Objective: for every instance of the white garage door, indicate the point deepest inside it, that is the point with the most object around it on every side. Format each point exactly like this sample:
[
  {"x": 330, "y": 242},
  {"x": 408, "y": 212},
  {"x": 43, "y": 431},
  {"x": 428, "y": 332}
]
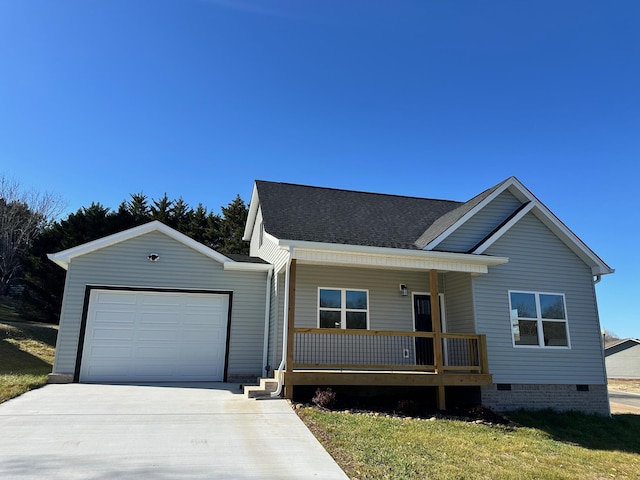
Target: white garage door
[{"x": 134, "y": 336}]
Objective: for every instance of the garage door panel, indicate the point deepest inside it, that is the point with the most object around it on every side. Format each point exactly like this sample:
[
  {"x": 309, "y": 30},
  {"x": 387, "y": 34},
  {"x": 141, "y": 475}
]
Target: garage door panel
[
  {"x": 115, "y": 317},
  {"x": 154, "y": 336},
  {"x": 115, "y": 298},
  {"x": 110, "y": 351},
  {"x": 203, "y": 320},
  {"x": 112, "y": 334},
  {"x": 203, "y": 302},
  {"x": 160, "y": 318},
  {"x": 148, "y": 335},
  {"x": 194, "y": 336},
  {"x": 160, "y": 353}
]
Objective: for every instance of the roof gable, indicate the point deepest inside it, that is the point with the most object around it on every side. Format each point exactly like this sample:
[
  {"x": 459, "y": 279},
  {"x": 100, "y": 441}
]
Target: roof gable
[
  {"x": 64, "y": 257},
  {"x": 529, "y": 204}
]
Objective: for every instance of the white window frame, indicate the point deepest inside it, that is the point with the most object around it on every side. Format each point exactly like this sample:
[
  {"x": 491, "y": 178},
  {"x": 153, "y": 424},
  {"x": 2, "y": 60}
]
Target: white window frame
[
  {"x": 343, "y": 307},
  {"x": 539, "y": 320}
]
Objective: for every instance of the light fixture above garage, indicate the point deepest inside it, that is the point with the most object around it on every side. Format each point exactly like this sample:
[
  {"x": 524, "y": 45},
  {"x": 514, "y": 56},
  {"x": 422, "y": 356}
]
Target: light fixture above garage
[{"x": 153, "y": 257}]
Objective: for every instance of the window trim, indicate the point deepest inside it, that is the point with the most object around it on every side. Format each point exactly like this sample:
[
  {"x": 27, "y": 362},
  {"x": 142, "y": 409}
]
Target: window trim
[
  {"x": 539, "y": 321},
  {"x": 343, "y": 307}
]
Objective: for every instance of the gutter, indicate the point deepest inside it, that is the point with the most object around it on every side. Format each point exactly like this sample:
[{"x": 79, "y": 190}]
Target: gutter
[
  {"x": 285, "y": 327},
  {"x": 267, "y": 310}
]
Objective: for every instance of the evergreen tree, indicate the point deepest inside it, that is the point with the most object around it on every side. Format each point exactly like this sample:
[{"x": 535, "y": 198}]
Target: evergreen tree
[
  {"x": 234, "y": 218},
  {"x": 44, "y": 281}
]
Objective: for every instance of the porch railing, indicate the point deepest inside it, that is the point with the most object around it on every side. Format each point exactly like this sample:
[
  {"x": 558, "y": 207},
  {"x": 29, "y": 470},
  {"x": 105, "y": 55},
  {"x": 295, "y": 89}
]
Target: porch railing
[{"x": 331, "y": 349}]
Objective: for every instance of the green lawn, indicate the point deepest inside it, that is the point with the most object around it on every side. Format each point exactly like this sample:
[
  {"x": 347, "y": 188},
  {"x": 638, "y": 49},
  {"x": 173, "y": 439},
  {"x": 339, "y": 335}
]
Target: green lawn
[
  {"x": 26, "y": 354},
  {"x": 544, "y": 445}
]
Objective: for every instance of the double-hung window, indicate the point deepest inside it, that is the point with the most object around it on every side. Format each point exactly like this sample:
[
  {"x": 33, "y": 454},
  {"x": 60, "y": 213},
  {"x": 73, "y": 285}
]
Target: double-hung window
[
  {"x": 343, "y": 308},
  {"x": 539, "y": 319}
]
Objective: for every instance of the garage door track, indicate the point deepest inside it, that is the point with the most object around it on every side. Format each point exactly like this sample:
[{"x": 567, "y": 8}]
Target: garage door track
[{"x": 83, "y": 431}]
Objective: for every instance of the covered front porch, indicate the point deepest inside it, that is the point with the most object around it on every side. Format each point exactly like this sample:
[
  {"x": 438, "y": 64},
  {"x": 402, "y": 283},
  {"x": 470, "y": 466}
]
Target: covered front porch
[{"x": 384, "y": 356}]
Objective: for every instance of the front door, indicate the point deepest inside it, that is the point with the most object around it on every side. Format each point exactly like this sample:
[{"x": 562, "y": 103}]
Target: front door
[{"x": 423, "y": 323}]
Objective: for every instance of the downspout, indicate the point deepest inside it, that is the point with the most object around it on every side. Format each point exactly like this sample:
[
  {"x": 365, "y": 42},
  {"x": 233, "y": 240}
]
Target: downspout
[
  {"x": 597, "y": 279},
  {"x": 285, "y": 327},
  {"x": 267, "y": 311}
]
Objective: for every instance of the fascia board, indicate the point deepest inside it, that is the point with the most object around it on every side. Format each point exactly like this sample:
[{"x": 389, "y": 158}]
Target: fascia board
[
  {"x": 598, "y": 266},
  {"x": 510, "y": 182},
  {"x": 254, "y": 203},
  {"x": 485, "y": 260},
  {"x": 64, "y": 258}
]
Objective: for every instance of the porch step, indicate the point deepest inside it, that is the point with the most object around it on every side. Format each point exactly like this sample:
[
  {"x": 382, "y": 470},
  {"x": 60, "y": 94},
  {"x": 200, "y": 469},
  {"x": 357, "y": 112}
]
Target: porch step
[{"x": 263, "y": 390}]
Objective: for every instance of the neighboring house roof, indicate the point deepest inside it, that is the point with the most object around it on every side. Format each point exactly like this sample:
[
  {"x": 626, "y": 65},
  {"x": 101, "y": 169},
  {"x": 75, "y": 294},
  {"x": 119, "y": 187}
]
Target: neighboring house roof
[
  {"x": 347, "y": 217},
  {"x": 239, "y": 263},
  {"x": 620, "y": 346}
]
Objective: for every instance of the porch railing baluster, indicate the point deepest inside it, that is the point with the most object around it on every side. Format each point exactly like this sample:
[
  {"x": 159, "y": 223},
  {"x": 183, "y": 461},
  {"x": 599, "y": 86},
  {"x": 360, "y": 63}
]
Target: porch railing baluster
[{"x": 329, "y": 349}]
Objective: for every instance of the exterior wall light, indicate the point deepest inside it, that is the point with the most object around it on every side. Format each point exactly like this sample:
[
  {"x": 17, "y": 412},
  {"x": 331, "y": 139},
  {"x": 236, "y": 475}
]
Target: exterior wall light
[
  {"x": 404, "y": 291},
  {"x": 153, "y": 257}
]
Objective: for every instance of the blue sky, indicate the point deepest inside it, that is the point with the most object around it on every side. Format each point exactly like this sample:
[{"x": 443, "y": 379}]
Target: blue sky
[{"x": 432, "y": 98}]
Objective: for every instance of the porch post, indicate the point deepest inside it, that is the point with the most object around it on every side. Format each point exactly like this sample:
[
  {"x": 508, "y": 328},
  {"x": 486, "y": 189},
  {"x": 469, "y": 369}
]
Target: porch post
[
  {"x": 437, "y": 331},
  {"x": 288, "y": 388}
]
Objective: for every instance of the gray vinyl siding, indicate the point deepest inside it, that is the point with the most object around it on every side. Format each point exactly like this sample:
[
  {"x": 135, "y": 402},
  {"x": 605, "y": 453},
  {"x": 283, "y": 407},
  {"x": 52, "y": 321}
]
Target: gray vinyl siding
[
  {"x": 481, "y": 224},
  {"x": 388, "y": 310},
  {"x": 539, "y": 262},
  {"x": 179, "y": 267},
  {"x": 625, "y": 363},
  {"x": 268, "y": 250},
  {"x": 459, "y": 303}
]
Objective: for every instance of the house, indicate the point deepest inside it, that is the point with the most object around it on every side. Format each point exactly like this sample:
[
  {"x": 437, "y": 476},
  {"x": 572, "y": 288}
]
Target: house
[
  {"x": 338, "y": 290},
  {"x": 623, "y": 359},
  {"x": 355, "y": 274}
]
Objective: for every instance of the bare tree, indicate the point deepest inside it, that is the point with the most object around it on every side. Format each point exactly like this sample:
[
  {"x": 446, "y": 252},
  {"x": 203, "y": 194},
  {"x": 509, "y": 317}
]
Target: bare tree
[{"x": 23, "y": 214}]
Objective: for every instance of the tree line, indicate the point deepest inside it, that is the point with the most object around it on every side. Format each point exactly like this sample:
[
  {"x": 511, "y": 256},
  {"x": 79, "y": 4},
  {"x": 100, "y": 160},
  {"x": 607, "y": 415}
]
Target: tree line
[{"x": 28, "y": 233}]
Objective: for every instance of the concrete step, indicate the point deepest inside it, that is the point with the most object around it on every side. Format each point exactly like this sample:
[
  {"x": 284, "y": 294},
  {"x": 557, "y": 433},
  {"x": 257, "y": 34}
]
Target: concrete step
[{"x": 263, "y": 389}]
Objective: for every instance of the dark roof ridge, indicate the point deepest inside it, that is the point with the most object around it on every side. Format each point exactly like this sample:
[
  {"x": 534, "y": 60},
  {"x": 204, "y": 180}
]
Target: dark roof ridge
[{"x": 361, "y": 191}]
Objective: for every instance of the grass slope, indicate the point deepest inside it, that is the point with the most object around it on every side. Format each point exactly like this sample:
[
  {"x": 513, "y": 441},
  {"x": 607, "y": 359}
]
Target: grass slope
[
  {"x": 545, "y": 445},
  {"x": 26, "y": 355}
]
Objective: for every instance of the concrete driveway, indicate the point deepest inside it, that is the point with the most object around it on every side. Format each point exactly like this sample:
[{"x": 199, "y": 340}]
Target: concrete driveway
[{"x": 81, "y": 431}]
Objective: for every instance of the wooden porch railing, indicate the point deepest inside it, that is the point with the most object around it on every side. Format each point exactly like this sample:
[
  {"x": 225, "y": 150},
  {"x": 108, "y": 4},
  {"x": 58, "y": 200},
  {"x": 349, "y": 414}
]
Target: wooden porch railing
[{"x": 387, "y": 350}]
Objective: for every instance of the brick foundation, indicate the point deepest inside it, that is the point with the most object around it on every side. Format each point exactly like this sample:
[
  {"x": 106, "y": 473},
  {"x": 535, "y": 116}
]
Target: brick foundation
[{"x": 582, "y": 398}]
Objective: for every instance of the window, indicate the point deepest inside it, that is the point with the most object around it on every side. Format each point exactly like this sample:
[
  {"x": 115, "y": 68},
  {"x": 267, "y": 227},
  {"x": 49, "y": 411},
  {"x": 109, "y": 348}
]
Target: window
[
  {"x": 538, "y": 319},
  {"x": 342, "y": 308}
]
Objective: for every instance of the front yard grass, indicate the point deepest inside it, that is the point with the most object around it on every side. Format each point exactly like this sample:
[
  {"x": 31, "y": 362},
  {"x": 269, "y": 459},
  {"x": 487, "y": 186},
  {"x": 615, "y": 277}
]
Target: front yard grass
[
  {"x": 543, "y": 445},
  {"x": 26, "y": 357}
]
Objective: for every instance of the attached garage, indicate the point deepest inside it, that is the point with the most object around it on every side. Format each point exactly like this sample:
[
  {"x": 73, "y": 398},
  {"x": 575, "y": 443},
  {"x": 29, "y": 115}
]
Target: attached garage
[
  {"x": 152, "y": 305},
  {"x": 151, "y": 336}
]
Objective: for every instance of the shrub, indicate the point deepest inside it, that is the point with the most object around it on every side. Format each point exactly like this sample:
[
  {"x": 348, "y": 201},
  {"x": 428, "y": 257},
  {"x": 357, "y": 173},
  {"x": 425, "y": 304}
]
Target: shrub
[{"x": 324, "y": 398}]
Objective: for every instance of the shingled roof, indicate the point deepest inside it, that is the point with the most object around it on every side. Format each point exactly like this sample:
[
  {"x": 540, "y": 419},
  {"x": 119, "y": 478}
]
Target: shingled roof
[{"x": 318, "y": 214}]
